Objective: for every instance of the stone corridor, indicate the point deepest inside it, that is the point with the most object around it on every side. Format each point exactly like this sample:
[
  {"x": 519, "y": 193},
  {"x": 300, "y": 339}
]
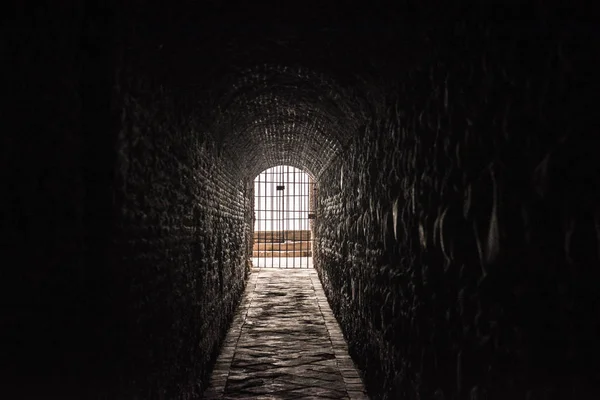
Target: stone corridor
[
  {"x": 454, "y": 209},
  {"x": 284, "y": 343}
]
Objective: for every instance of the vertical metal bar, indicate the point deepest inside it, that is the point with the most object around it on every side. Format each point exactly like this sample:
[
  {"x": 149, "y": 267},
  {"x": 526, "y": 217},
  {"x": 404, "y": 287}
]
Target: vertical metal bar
[
  {"x": 275, "y": 223},
  {"x": 277, "y": 195},
  {"x": 314, "y": 211},
  {"x": 302, "y": 207},
  {"x": 307, "y": 221},
  {"x": 268, "y": 204},
  {"x": 305, "y": 213},
  {"x": 300, "y": 214},
  {"x": 280, "y": 221},
  {"x": 264, "y": 220},
  {"x": 277, "y": 213},
  {"x": 273, "y": 213},
  {"x": 270, "y": 214},
  {"x": 285, "y": 216},
  {"x": 258, "y": 220},
  {"x": 295, "y": 222},
  {"x": 276, "y": 216},
  {"x": 261, "y": 184},
  {"x": 302, "y": 261},
  {"x": 269, "y": 180},
  {"x": 264, "y": 261},
  {"x": 256, "y": 207},
  {"x": 266, "y": 215},
  {"x": 262, "y": 216},
  {"x": 255, "y": 210}
]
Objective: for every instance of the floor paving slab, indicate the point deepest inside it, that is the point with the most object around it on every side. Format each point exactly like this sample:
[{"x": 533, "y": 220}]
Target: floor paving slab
[{"x": 284, "y": 343}]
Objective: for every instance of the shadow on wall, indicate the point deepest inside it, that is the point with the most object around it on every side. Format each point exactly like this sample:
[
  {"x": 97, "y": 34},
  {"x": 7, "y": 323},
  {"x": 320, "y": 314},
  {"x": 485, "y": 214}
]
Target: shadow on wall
[{"x": 457, "y": 239}]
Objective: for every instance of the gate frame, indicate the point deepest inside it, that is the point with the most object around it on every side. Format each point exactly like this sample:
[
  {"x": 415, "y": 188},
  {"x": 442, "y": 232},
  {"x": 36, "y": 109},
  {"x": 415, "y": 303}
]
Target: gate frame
[{"x": 282, "y": 175}]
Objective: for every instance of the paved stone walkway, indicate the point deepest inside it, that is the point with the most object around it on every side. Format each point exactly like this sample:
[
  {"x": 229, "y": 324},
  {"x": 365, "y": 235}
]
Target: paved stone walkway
[{"x": 284, "y": 343}]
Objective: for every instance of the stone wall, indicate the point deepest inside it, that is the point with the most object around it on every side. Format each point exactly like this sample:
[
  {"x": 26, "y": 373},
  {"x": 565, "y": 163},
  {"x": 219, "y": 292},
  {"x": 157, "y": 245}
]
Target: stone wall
[
  {"x": 456, "y": 235},
  {"x": 180, "y": 252},
  {"x": 457, "y": 240}
]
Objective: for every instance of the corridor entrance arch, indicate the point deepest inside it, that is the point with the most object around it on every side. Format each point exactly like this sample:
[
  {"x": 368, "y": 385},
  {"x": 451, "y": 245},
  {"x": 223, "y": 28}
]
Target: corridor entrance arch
[{"x": 284, "y": 200}]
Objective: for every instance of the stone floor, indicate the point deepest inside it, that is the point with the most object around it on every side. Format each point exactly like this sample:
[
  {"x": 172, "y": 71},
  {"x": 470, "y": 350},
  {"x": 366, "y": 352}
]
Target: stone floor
[{"x": 284, "y": 343}]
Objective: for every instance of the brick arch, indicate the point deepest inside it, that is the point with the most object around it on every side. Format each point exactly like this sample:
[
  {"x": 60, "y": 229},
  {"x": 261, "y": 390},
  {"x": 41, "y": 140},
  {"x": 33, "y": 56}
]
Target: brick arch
[{"x": 276, "y": 114}]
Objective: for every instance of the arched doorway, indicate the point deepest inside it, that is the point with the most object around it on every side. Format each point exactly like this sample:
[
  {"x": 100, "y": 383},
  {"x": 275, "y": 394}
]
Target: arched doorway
[{"x": 284, "y": 200}]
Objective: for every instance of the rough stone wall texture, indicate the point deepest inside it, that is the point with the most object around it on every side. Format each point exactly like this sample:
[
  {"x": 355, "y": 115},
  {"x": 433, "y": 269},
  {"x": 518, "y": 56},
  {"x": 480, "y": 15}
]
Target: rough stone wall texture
[
  {"x": 457, "y": 239},
  {"x": 460, "y": 251},
  {"x": 180, "y": 249}
]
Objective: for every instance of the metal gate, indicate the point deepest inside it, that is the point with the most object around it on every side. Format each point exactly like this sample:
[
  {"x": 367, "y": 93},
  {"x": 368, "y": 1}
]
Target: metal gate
[{"x": 284, "y": 199}]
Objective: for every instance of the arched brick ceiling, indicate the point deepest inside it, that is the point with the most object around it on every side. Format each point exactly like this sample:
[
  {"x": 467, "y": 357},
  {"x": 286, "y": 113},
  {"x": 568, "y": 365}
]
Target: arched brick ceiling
[
  {"x": 286, "y": 90},
  {"x": 276, "y": 115}
]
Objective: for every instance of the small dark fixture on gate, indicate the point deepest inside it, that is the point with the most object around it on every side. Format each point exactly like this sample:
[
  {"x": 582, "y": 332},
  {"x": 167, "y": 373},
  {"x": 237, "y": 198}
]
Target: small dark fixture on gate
[{"x": 280, "y": 187}]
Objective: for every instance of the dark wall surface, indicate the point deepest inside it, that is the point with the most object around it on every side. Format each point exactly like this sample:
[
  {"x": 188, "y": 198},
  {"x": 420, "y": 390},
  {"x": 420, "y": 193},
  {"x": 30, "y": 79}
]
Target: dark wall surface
[
  {"x": 458, "y": 239},
  {"x": 180, "y": 250},
  {"x": 458, "y": 224},
  {"x": 55, "y": 150},
  {"x": 126, "y": 225}
]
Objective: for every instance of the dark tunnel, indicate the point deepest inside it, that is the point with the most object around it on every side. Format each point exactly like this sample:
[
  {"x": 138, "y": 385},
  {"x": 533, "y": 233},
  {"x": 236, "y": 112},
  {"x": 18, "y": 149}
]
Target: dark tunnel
[{"x": 457, "y": 224}]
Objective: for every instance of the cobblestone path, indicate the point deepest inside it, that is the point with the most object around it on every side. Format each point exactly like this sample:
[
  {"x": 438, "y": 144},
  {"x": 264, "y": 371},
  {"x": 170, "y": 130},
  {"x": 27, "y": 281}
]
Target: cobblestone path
[{"x": 284, "y": 343}]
